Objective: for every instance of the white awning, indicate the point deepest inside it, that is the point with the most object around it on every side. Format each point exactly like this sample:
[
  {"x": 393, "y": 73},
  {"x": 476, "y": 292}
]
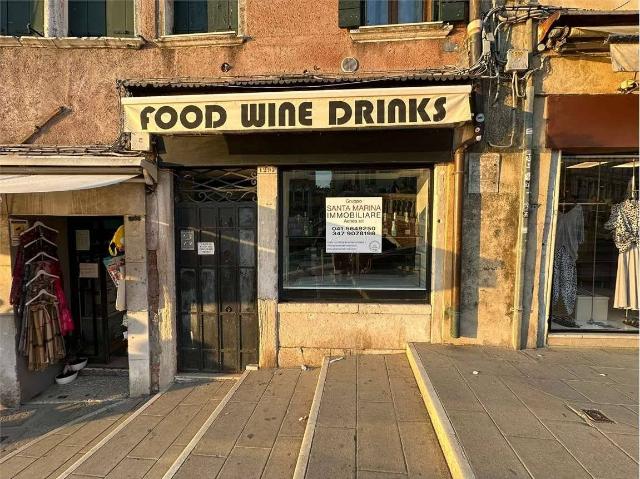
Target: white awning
[{"x": 48, "y": 183}]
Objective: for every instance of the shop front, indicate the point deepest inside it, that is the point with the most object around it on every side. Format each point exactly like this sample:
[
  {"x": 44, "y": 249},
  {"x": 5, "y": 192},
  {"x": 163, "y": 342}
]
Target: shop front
[
  {"x": 63, "y": 283},
  {"x": 593, "y": 281},
  {"x": 307, "y": 222}
]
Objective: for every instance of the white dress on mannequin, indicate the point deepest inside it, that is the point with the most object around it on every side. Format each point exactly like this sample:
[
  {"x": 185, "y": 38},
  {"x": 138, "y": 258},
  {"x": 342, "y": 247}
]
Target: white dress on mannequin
[{"x": 623, "y": 224}]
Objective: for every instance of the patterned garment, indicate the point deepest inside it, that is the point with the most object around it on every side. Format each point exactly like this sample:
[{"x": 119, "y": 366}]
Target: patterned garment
[
  {"x": 623, "y": 224},
  {"x": 44, "y": 343},
  {"x": 565, "y": 280}
]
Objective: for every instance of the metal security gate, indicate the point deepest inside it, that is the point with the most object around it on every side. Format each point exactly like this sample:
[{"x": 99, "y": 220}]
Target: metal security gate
[{"x": 217, "y": 317}]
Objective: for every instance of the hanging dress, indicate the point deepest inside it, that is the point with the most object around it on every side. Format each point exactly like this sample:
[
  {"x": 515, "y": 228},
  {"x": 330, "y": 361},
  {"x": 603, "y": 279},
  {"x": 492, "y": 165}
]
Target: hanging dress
[
  {"x": 569, "y": 237},
  {"x": 623, "y": 224}
]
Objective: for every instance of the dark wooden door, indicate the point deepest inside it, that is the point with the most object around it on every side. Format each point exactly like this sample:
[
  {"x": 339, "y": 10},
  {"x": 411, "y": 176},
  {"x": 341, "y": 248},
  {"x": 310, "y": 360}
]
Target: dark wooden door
[
  {"x": 93, "y": 298},
  {"x": 216, "y": 284}
]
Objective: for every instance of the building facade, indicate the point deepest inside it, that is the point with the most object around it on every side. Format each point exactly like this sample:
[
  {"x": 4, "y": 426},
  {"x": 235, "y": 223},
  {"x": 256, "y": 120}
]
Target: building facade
[{"x": 295, "y": 179}]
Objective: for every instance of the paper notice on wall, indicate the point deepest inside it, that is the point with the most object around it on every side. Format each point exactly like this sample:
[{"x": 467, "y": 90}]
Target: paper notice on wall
[
  {"x": 354, "y": 225},
  {"x": 88, "y": 270},
  {"x": 83, "y": 240},
  {"x": 206, "y": 248}
]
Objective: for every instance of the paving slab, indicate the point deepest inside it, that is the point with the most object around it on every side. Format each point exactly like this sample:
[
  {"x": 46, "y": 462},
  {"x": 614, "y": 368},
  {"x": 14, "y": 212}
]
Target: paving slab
[
  {"x": 372, "y": 423},
  {"x": 258, "y": 431},
  {"x": 531, "y": 424}
]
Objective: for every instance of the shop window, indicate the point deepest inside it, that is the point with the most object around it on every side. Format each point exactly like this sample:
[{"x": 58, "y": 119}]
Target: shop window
[
  {"x": 101, "y": 18},
  {"x": 21, "y": 17},
  {"x": 356, "y": 13},
  {"x": 355, "y": 234},
  {"x": 595, "y": 264},
  {"x": 203, "y": 16}
]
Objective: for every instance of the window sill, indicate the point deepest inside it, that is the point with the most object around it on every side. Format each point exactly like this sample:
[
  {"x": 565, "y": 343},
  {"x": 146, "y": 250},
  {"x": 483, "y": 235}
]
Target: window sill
[
  {"x": 73, "y": 42},
  {"x": 220, "y": 39},
  {"x": 401, "y": 32}
]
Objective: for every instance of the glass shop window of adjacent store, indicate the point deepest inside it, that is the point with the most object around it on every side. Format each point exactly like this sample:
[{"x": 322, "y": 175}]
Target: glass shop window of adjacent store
[
  {"x": 355, "y": 234},
  {"x": 595, "y": 264}
]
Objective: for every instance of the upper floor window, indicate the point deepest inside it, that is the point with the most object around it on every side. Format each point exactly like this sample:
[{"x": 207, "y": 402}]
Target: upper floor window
[
  {"x": 357, "y": 13},
  {"x": 101, "y": 18},
  {"x": 203, "y": 16},
  {"x": 21, "y": 17},
  {"x": 386, "y": 12}
]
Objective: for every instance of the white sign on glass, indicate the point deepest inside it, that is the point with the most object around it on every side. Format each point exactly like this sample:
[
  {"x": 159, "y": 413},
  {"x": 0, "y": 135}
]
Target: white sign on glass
[{"x": 354, "y": 225}]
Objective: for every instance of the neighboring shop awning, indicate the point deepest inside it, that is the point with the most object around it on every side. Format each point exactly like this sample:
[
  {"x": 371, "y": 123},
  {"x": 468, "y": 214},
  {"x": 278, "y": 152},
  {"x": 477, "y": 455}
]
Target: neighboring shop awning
[
  {"x": 592, "y": 123},
  {"x": 299, "y": 110},
  {"x": 29, "y": 169},
  {"x": 48, "y": 183}
]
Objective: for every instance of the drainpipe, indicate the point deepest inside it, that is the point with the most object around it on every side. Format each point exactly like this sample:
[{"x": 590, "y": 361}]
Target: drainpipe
[
  {"x": 474, "y": 31},
  {"x": 458, "y": 164},
  {"x": 525, "y": 189}
]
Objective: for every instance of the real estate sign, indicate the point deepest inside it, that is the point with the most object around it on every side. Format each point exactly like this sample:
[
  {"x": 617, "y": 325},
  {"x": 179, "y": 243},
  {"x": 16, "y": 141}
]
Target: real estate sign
[{"x": 354, "y": 225}]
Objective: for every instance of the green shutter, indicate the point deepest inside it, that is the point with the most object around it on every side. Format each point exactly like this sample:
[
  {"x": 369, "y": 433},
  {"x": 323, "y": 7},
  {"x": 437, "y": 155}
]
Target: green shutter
[
  {"x": 15, "y": 15},
  {"x": 349, "y": 13},
  {"x": 180, "y": 17},
  {"x": 119, "y": 18},
  {"x": 77, "y": 18},
  {"x": 198, "y": 18},
  {"x": 96, "y": 18},
  {"x": 218, "y": 12}
]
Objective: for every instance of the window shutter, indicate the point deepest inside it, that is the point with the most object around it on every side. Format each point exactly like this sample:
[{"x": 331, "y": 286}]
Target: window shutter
[
  {"x": 16, "y": 14},
  {"x": 219, "y": 18},
  {"x": 77, "y": 18},
  {"x": 119, "y": 18},
  {"x": 180, "y": 17},
  {"x": 198, "y": 17},
  {"x": 349, "y": 13}
]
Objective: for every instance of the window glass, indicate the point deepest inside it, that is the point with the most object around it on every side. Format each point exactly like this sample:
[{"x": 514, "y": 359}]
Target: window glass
[
  {"x": 594, "y": 283},
  {"x": 16, "y": 16},
  {"x": 101, "y": 18},
  {"x": 395, "y": 208},
  {"x": 384, "y": 12},
  {"x": 202, "y": 16}
]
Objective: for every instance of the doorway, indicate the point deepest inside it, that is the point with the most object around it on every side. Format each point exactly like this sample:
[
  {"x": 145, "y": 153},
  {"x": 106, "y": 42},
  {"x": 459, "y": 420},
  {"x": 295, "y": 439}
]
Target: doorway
[
  {"x": 216, "y": 284},
  {"x": 101, "y": 334}
]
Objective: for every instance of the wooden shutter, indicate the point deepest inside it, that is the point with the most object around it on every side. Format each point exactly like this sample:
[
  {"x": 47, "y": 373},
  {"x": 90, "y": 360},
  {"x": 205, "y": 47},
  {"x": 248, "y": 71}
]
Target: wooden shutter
[
  {"x": 198, "y": 18},
  {"x": 349, "y": 13},
  {"x": 16, "y": 14},
  {"x": 87, "y": 18},
  {"x": 180, "y": 17},
  {"x": 120, "y": 18},
  {"x": 219, "y": 15}
]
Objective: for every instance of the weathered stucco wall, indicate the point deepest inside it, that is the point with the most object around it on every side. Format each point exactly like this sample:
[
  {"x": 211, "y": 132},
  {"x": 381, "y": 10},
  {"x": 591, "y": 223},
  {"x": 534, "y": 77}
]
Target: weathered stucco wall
[
  {"x": 284, "y": 37},
  {"x": 308, "y": 332}
]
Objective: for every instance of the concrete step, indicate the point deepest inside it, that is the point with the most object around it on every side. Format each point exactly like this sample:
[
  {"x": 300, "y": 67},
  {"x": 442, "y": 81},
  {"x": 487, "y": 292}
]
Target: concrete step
[{"x": 368, "y": 420}]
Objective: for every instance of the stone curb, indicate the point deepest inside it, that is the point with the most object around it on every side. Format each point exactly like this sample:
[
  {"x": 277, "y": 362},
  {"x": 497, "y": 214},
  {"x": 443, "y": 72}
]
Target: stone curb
[
  {"x": 451, "y": 447},
  {"x": 177, "y": 464},
  {"x": 309, "y": 431}
]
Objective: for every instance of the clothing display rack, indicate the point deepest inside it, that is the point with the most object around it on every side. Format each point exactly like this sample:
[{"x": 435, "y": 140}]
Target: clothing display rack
[{"x": 38, "y": 297}]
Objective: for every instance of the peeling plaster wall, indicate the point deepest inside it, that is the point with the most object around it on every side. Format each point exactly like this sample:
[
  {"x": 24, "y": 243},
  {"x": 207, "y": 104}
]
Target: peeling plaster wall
[{"x": 285, "y": 37}]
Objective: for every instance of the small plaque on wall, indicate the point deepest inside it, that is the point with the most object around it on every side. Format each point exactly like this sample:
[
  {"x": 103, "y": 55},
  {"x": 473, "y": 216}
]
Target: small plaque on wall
[
  {"x": 88, "y": 270},
  {"x": 187, "y": 240},
  {"x": 83, "y": 240},
  {"x": 206, "y": 248}
]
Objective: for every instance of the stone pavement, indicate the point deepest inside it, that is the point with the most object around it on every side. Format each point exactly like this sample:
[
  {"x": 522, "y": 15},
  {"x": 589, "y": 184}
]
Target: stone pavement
[
  {"x": 518, "y": 414},
  {"x": 372, "y": 423},
  {"x": 145, "y": 447},
  {"x": 259, "y": 431},
  {"x": 57, "y": 406}
]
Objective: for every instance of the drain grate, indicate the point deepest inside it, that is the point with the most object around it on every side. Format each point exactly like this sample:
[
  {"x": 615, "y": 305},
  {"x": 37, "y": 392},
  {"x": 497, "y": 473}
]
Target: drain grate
[{"x": 596, "y": 416}]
